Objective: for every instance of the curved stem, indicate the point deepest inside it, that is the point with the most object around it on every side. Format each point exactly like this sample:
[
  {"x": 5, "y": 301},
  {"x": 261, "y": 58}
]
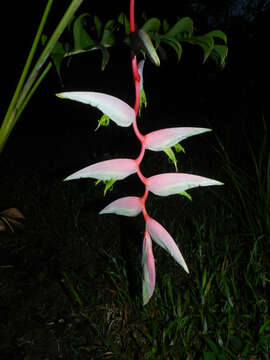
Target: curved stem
[{"x": 141, "y": 138}]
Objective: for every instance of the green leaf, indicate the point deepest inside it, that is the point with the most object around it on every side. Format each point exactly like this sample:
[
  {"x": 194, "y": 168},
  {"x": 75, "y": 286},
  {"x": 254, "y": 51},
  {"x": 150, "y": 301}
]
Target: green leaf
[
  {"x": 98, "y": 25},
  {"x": 108, "y": 184},
  {"x": 218, "y": 34},
  {"x": 169, "y": 152},
  {"x": 184, "y": 193},
  {"x": 183, "y": 27},
  {"x": 205, "y": 42},
  {"x": 103, "y": 121},
  {"x": 107, "y": 36},
  {"x": 175, "y": 44},
  {"x": 152, "y": 25},
  {"x": 105, "y": 56},
  {"x": 81, "y": 38},
  {"x": 220, "y": 53},
  {"x": 123, "y": 20},
  {"x": 179, "y": 148},
  {"x": 165, "y": 25},
  {"x": 143, "y": 100},
  {"x": 57, "y": 54}
]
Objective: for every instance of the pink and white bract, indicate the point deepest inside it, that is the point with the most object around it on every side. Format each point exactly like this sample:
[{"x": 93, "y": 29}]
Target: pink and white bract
[
  {"x": 116, "y": 169},
  {"x": 175, "y": 183},
  {"x": 149, "y": 272},
  {"x": 117, "y": 110},
  {"x": 165, "y": 138},
  {"x": 161, "y": 236},
  {"x": 127, "y": 206}
]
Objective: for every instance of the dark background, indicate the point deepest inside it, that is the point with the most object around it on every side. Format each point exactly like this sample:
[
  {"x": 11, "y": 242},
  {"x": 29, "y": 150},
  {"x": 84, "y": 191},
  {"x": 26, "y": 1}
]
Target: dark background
[{"x": 55, "y": 136}]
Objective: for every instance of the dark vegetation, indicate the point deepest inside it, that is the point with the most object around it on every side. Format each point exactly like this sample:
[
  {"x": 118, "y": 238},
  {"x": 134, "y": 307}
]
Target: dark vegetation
[{"x": 70, "y": 280}]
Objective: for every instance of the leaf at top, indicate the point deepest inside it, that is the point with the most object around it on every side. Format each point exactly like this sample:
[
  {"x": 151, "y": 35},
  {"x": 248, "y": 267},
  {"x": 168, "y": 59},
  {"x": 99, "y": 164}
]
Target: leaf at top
[
  {"x": 105, "y": 56},
  {"x": 175, "y": 44},
  {"x": 183, "y": 27},
  {"x": 57, "y": 54},
  {"x": 206, "y": 43},
  {"x": 152, "y": 25},
  {"x": 218, "y": 34},
  {"x": 219, "y": 54},
  {"x": 98, "y": 26},
  {"x": 107, "y": 38},
  {"x": 81, "y": 38},
  {"x": 165, "y": 26},
  {"x": 123, "y": 20}
]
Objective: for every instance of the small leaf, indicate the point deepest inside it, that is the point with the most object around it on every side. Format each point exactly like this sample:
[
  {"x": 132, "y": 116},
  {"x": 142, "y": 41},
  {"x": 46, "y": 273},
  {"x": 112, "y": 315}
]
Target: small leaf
[
  {"x": 122, "y": 19},
  {"x": 187, "y": 195},
  {"x": 127, "y": 206},
  {"x": 183, "y": 26},
  {"x": 105, "y": 56},
  {"x": 81, "y": 38},
  {"x": 103, "y": 121},
  {"x": 108, "y": 37},
  {"x": 165, "y": 25},
  {"x": 57, "y": 54},
  {"x": 164, "y": 239},
  {"x": 220, "y": 53},
  {"x": 205, "y": 42},
  {"x": 169, "y": 152},
  {"x": 175, "y": 44},
  {"x": 179, "y": 148},
  {"x": 166, "y": 138},
  {"x": 98, "y": 25},
  {"x": 116, "y": 169},
  {"x": 218, "y": 34},
  {"x": 108, "y": 185},
  {"x": 117, "y": 110},
  {"x": 148, "y": 264},
  {"x": 170, "y": 183},
  {"x": 152, "y": 25}
]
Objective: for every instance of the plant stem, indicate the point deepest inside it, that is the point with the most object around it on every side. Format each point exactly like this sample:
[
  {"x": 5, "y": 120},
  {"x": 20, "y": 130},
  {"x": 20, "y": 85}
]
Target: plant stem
[
  {"x": 141, "y": 138},
  {"x": 25, "y": 89}
]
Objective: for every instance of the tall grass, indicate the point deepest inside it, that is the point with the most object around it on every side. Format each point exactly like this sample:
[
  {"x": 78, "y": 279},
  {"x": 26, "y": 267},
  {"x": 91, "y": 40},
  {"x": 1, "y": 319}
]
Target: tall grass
[{"x": 219, "y": 311}]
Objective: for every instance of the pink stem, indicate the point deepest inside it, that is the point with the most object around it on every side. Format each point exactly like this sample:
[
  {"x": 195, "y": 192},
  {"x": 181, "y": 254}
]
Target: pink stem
[
  {"x": 141, "y": 138},
  {"x": 131, "y": 17}
]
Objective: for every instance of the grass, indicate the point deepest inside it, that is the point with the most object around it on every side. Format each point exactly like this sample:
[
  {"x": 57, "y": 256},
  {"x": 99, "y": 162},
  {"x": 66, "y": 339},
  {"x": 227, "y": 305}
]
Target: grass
[{"x": 66, "y": 284}]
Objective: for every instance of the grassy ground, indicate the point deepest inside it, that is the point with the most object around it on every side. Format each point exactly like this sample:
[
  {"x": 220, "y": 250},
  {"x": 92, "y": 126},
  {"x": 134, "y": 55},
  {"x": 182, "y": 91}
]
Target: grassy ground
[{"x": 70, "y": 281}]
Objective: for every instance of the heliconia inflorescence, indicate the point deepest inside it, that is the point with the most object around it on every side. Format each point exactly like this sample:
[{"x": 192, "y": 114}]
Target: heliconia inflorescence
[{"x": 117, "y": 169}]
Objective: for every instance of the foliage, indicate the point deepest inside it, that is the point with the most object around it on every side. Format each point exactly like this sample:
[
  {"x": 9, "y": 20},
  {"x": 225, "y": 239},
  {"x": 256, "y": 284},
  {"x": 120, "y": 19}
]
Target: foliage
[{"x": 88, "y": 33}]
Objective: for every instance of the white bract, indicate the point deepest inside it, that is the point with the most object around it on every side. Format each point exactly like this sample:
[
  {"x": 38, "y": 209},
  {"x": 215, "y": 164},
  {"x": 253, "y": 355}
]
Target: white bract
[
  {"x": 166, "y": 138},
  {"x": 127, "y": 206},
  {"x": 117, "y": 110},
  {"x": 164, "y": 239},
  {"x": 175, "y": 183},
  {"x": 116, "y": 169}
]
